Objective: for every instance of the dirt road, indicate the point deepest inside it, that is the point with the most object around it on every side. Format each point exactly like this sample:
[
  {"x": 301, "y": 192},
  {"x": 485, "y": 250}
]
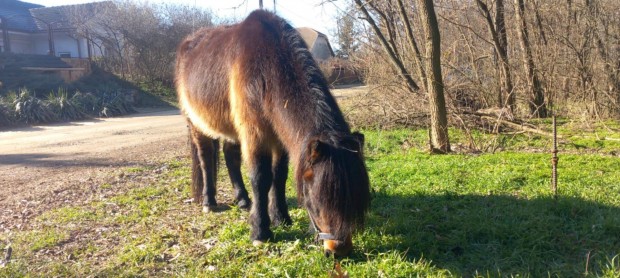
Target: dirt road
[
  {"x": 43, "y": 167},
  {"x": 40, "y": 165}
]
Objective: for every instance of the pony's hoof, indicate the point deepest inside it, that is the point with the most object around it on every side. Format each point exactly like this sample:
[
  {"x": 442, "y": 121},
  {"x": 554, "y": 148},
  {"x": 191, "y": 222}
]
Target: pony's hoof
[
  {"x": 244, "y": 204},
  {"x": 284, "y": 221},
  {"x": 258, "y": 243},
  {"x": 208, "y": 209}
]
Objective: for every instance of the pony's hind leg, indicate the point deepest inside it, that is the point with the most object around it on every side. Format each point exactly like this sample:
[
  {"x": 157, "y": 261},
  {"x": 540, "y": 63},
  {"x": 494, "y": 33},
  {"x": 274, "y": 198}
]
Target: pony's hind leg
[
  {"x": 232, "y": 155},
  {"x": 204, "y": 152},
  {"x": 278, "y": 209}
]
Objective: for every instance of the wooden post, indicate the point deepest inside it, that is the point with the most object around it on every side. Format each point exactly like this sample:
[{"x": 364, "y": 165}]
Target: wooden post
[
  {"x": 554, "y": 161},
  {"x": 50, "y": 38},
  {"x": 6, "y": 47}
]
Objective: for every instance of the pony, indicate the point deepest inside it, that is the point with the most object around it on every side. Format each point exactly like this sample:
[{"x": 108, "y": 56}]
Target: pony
[{"x": 255, "y": 86}]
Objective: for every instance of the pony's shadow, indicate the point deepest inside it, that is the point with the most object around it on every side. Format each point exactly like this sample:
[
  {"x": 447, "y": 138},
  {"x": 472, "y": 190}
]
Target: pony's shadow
[
  {"x": 476, "y": 234},
  {"x": 469, "y": 234},
  {"x": 221, "y": 207}
]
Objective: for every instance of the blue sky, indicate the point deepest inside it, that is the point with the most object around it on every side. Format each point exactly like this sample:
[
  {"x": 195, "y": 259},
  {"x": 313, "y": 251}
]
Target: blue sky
[{"x": 301, "y": 13}]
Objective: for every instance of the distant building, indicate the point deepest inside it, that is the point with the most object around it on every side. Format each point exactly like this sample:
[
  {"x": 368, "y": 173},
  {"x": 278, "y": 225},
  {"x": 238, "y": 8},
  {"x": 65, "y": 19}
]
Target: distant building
[
  {"x": 318, "y": 44},
  {"x": 337, "y": 71},
  {"x": 34, "y": 29}
]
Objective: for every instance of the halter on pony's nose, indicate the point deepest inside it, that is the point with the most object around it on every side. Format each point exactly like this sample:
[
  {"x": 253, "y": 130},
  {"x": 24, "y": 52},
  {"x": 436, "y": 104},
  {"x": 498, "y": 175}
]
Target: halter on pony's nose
[
  {"x": 331, "y": 244},
  {"x": 320, "y": 235}
]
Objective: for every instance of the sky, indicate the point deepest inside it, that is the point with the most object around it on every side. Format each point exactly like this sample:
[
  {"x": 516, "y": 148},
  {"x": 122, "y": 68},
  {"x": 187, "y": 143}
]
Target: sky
[{"x": 300, "y": 13}]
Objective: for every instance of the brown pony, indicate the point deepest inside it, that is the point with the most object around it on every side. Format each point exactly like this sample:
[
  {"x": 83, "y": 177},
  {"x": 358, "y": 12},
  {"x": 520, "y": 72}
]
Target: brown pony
[{"x": 255, "y": 85}]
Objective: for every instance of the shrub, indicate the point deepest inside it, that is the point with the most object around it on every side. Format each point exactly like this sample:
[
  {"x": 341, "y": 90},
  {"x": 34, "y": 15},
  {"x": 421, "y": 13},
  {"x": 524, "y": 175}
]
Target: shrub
[
  {"x": 63, "y": 107},
  {"x": 86, "y": 103},
  {"x": 114, "y": 104},
  {"x": 24, "y": 108},
  {"x": 32, "y": 110},
  {"x": 6, "y": 115}
]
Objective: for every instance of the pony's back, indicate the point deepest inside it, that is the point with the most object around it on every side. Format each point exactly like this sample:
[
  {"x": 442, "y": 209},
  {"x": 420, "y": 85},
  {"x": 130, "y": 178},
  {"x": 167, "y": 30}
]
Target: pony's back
[{"x": 259, "y": 66}]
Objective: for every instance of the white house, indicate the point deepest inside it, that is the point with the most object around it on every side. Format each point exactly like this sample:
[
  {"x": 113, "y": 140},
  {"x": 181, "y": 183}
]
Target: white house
[{"x": 34, "y": 29}]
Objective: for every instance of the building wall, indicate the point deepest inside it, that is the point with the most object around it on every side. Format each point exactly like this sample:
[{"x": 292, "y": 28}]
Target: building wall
[
  {"x": 38, "y": 43},
  {"x": 63, "y": 43},
  {"x": 21, "y": 43},
  {"x": 320, "y": 50}
]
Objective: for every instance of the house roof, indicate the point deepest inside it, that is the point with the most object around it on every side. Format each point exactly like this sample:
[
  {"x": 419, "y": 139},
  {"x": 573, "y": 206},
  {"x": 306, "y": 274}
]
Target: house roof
[
  {"x": 310, "y": 36},
  {"x": 16, "y": 15},
  {"x": 27, "y": 17},
  {"x": 65, "y": 17}
]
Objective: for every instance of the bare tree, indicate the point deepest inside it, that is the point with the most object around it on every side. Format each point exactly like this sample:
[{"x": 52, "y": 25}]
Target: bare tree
[
  {"x": 534, "y": 87},
  {"x": 395, "y": 34},
  {"x": 611, "y": 68},
  {"x": 139, "y": 40},
  {"x": 434, "y": 80},
  {"x": 388, "y": 45},
  {"x": 497, "y": 29}
]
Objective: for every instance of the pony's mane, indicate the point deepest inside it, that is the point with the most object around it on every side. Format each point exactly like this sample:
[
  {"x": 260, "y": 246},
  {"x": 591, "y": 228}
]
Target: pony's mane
[
  {"x": 314, "y": 114},
  {"x": 256, "y": 82},
  {"x": 301, "y": 75}
]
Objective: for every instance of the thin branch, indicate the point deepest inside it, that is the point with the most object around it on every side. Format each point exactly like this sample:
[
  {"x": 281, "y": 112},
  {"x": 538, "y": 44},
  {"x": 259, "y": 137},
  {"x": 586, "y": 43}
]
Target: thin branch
[{"x": 397, "y": 63}]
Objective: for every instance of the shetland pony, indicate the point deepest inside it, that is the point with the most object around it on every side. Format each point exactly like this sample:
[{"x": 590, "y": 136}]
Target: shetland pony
[{"x": 256, "y": 86}]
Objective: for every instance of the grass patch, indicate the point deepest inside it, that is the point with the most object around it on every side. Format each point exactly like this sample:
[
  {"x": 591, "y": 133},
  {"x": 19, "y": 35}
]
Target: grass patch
[
  {"x": 489, "y": 214},
  {"x": 45, "y": 238}
]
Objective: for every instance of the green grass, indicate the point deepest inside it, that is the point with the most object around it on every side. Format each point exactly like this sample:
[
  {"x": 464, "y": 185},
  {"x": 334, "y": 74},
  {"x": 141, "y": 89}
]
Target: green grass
[{"x": 483, "y": 215}]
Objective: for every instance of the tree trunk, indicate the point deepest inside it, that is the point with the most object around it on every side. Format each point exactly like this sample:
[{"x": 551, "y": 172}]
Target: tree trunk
[
  {"x": 534, "y": 87},
  {"x": 502, "y": 49},
  {"x": 608, "y": 64},
  {"x": 500, "y": 43},
  {"x": 439, "y": 140}
]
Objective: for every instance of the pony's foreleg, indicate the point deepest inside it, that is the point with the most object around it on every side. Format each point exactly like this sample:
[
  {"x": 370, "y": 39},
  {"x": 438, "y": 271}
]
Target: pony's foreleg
[
  {"x": 232, "y": 155},
  {"x": 204, "y": 168},
  {"x": 278, "y": 209},
  {"x": 261, "y": 178}
]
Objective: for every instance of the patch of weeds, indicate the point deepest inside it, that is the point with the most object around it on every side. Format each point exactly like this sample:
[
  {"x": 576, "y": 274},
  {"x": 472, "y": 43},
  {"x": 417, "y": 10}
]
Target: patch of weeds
[
  {"x": 141, "y": 252},
  {"x": 150, "y": 193},
  {"x": 42, "y": 239},
  {"x": 66, "y": 215},
  {"x": 135, "y": 170},
  {"x": 611, "y": 268},
  {"x": 105, "y": 186},
  {"x": 392, "y": 264}
]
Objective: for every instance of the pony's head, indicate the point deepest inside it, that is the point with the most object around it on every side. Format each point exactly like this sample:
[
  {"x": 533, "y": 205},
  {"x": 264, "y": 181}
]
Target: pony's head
[{"x": 333, "y": 185}]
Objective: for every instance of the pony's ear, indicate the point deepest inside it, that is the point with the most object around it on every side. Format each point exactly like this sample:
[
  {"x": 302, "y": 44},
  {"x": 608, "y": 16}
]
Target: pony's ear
[
  {"x": 316, "y": 150},
  {"x": 360, "y": 138}
]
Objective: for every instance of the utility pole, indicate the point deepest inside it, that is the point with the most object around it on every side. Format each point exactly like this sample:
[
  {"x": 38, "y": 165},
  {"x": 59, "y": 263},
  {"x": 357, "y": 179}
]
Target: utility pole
[{"x": 260, "y": 4}]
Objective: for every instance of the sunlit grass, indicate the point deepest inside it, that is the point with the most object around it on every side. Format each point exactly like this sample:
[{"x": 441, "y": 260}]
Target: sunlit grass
[{"x": 483, "y": 215}]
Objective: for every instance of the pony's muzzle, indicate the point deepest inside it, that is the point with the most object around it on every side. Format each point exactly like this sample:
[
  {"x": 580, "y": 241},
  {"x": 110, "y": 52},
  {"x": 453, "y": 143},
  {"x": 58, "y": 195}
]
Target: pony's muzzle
[{"x": 338, "y": 247}]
